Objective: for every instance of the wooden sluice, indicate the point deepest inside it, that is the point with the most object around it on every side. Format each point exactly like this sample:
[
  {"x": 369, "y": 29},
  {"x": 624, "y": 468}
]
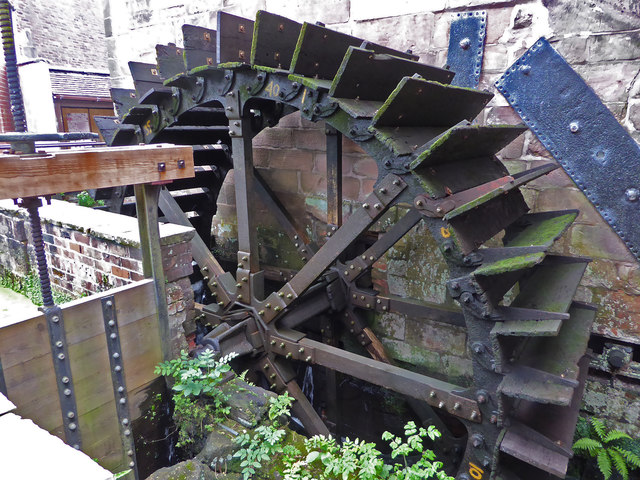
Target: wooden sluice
[{"x": 81, "y": 371}]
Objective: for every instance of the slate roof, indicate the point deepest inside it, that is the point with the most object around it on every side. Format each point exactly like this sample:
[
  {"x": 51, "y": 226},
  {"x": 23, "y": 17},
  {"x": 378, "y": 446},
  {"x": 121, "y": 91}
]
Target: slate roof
[{"x": 64, "y": 82}]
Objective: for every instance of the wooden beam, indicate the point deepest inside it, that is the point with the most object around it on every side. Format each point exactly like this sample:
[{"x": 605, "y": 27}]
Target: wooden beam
[{"x": 88, "y": 168}]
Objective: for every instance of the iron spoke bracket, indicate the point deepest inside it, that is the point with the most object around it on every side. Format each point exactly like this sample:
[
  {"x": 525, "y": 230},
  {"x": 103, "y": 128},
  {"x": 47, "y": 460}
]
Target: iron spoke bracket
[
  {"x": 117, "y": 376},
  {"x": 466, "y": 48},
  {"x": 580, "y": 132}
]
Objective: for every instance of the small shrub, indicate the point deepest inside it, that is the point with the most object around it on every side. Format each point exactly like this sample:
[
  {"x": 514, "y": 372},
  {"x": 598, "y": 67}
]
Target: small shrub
[
  {"x": 198, "y": 401},
  {"x": 86, "y": 200}
]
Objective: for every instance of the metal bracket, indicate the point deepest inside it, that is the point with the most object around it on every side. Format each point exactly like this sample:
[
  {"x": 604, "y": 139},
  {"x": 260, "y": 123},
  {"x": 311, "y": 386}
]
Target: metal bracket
[
  {"x": 466, "y": 48},
  {"x": 117, "y": 377},
  {"x": 61, "y": 365},
  {"x": 581, "y": 133}
]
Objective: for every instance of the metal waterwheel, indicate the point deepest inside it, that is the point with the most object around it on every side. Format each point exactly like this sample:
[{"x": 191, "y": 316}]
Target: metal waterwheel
[{"x": 440, "y": 169}]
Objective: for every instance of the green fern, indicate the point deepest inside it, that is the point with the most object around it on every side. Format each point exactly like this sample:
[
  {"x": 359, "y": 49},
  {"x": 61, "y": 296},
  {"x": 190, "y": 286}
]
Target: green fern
[
  {"x": 589, "y": 445},
  {"x": 599, "y": 428},
  {"x": 630, "y": 457},
  {"x": 620, "y": 463},
  {"x": 606, "y": 448},
  {"x": 615, "y": 435},
  {"x": 604, "y": 464}
]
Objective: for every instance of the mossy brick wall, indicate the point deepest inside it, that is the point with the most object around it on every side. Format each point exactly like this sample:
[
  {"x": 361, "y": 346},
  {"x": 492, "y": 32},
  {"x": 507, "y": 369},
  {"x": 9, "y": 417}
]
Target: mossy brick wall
[
  {"x": 602, "y": 42},
  {"x": 90, "y": 251}
]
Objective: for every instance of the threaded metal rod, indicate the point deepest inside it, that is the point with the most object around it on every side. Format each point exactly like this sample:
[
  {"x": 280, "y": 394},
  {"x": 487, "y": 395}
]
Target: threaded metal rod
[
  {"x": 32, "y": 205},
  {"x": 13, "y": 81}
]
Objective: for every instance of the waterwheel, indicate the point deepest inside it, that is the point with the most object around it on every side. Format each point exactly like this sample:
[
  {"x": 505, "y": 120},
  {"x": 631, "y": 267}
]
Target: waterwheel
[{"x": 526, "y": 334}]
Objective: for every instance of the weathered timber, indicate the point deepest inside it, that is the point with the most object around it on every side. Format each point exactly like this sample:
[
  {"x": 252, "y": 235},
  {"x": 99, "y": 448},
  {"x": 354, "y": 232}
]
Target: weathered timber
[{"x": 74, "y": 170}]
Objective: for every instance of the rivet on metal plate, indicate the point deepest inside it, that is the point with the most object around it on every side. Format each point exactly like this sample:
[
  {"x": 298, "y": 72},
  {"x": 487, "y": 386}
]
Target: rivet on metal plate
[{"x": 632, "y": 194}]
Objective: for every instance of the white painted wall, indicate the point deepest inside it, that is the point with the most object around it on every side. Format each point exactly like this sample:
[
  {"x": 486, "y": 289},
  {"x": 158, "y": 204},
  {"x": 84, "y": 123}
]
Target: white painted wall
[{"x": 38, "y": 97}]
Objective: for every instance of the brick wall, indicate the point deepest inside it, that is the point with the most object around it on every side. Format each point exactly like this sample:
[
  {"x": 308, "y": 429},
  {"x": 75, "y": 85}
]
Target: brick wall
[
  {"x": 602, "y": 42},
  {"x": 91, "y": 251},
  {"x": 66, "y": 33}
]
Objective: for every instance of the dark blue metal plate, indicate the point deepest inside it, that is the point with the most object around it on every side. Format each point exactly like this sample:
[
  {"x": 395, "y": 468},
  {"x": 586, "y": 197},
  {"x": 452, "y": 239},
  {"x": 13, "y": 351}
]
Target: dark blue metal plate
[
  {"x": 466, "y": 47},
  {"x": 581, "y": 133}
]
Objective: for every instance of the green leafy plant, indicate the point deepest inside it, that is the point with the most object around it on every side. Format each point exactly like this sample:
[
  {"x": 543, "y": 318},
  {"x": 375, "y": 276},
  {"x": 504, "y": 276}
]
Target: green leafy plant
[
  {"x": 426, "y": 466},
  {"x": 322, "y": 458},
  {"x": 86, "y": 200},
  {"x": 267, "y": 440},
  {"x": 199, "y": 403},
  {"x": 29, "y": 286},
  {"x": 607, "y": 447}
]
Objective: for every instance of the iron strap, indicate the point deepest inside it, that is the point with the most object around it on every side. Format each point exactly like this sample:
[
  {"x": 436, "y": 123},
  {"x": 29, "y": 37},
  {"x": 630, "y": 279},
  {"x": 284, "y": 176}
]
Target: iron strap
[
  {"x": 117, "y": 377},
  {"x": 466, "y": 48},
  {"x": 580, "y": 132},
  {"x": 64, "y": 381}
]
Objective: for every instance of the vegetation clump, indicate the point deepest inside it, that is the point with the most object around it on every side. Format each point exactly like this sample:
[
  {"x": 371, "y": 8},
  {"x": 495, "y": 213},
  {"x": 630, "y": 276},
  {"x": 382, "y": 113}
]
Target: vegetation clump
[
  {"x": 611, "y": 449},
  {"x": 199, "y": 403},
  {"x": 322, "y": 458},
  {"x": 29, "y": 286}
]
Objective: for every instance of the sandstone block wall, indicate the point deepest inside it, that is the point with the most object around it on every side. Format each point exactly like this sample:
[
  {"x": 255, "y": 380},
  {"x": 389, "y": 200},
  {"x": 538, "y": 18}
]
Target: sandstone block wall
[{"x": 602, "y": 42}]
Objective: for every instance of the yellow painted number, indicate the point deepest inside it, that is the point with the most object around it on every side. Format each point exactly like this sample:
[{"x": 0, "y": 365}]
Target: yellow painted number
[
  {"x": 445, "y": 232},
  {"x": 475, "y": 471},
  {"x": 272, "y": 89},
  {"x": 147, "y": 127}
]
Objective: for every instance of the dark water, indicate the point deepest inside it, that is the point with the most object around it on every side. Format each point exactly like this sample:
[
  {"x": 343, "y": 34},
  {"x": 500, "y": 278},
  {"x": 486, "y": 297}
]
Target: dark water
[{"x": 154, "y": 437}]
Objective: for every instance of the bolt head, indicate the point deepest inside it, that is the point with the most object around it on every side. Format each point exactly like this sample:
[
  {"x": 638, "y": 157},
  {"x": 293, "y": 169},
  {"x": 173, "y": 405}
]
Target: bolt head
[
  {"x": 465, "y": 43},
  {"x": 632, "y": 194},
  {"x": 574, "y": 127}
]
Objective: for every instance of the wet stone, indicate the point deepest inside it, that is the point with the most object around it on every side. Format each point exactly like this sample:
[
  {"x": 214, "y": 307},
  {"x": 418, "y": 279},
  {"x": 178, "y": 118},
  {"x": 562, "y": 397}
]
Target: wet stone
[{"x": 188, "y": 470}]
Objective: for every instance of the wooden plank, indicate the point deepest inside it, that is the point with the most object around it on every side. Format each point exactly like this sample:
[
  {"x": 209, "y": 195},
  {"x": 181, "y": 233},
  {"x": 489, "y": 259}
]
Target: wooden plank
[
  {"x": 320, "y": 51},
  {"x": 367, "y": 75},
  {"x": 274, "y": 40},
  {"x": 29, "y": 338},
  {"x": 422, "y": 103},
  {"x": 31, "y": 381},
  {"x": 234, "y": 36},
  {"x": 83, "y": 169},
  {"x": 32, "y": 387},
  {"x": 199, "y": 46}
]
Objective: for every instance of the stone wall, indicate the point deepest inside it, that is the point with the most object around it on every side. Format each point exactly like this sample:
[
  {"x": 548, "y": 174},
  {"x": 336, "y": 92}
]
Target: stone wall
[
  {"x": 60, "y": 32},
  {"x": 602, "y": 42},
  {"x": 90, "y": 251}
]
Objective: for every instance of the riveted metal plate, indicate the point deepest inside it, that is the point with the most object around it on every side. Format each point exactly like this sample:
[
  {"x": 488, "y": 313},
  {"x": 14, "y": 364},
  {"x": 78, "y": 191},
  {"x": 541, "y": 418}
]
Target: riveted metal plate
[
  {"x": 581, "y": 133},
  {"x": 64, "y": 380},
  {"x": 117, "y": 376},
  {"x": 466, "y": 47}
]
